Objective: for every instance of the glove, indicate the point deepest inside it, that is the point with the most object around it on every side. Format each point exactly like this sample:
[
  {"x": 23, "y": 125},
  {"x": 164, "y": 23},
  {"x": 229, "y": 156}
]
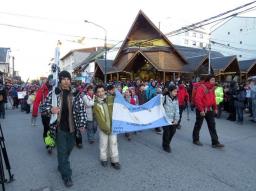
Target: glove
[{"x": 49, "y": 140}]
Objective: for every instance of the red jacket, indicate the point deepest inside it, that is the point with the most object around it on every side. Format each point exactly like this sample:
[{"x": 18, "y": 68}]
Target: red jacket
[
  {"x": 183, "y": 96},
  {"x": 40, "y": 96},
  {"x": 205, "y": 97}
]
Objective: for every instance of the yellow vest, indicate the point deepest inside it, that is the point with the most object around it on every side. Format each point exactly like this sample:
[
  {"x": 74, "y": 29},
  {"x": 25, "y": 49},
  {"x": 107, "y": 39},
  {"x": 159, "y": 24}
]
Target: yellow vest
[{"x": 219, "y": 94}]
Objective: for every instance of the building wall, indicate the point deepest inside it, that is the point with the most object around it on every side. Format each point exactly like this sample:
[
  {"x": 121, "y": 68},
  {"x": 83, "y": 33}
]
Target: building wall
[
  {"x": 237, "y": 37},
  {"x": 195, "y": 39},
  {"x": 4, "y": 68}
]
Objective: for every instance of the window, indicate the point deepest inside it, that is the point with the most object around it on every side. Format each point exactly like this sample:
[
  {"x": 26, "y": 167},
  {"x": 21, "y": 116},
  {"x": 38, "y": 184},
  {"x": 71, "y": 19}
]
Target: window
[
  {"x": 240, "y": 56},
  {"x": 194, "y": 34},
  {"x": 228, "y": 33},
  {"x": 241, "y": 42},
  {"x": 201, "y": 44},
  {"x": 186, "y": 34},
  {"x": 241, "y": 30},
  {"x": 201, "y": 35},
  {"x": 194, "y": 43},
  {"x": 186, "y": 41},
  {"x": 228, "y": 44}
]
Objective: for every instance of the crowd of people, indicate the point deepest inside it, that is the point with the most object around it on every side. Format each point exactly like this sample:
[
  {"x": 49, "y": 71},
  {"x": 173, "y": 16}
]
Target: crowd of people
[{"x": 87, "y": 108}]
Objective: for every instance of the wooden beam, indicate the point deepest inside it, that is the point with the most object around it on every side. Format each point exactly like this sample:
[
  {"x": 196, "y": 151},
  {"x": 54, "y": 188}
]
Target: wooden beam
[{"x": 164, "y": 77}]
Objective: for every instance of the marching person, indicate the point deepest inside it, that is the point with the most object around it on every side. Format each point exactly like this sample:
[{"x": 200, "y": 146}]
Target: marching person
[
  {"x": 37, "y": 108},
  {"x": 183, "y": 99},
  {"x": 71, "y": 116},
  {"x": 206, "y": 108},
  {"x": 88, "y": 99},
  {"x": 3, "y": 100},
  {"x": 219, "y": 96},
  {"x": 171, "y": 106},
  {"x": 103, "y": 109}
]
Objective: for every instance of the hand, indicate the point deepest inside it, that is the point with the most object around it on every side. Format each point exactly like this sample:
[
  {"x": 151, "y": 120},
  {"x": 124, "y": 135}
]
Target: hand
[
  {"x": 216, "y": 111},
  {"x": 55, "y": 110},
  {"x": 174, "y": 123},
  {"x": 82, "y": 129},
  {"x": 202, "y": 113}
]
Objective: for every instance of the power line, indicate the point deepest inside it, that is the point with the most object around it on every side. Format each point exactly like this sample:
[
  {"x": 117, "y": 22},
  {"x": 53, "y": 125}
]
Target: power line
[
  {"x": 38, "y": 30},
  {"x": 214, "y": 17}
]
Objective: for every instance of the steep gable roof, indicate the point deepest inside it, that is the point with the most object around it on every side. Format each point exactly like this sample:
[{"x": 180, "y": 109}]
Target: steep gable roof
[
  {"x": 222, "y": 63},
  {"x": 246, "y": 65},
  {"x": 141, "y": 18}
]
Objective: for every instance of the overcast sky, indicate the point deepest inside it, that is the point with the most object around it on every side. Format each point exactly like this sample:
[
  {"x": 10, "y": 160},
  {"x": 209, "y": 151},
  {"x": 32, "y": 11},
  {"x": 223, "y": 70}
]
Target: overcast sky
[{"x": 33, "y": 50}]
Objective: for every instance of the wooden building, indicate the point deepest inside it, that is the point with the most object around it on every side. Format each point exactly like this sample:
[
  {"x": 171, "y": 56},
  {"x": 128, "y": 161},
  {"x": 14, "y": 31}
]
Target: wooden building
[
  {"x": 248, "y": 68},
  {"x": 225, "y": 68},
  {"x": 147, "y": 53}
]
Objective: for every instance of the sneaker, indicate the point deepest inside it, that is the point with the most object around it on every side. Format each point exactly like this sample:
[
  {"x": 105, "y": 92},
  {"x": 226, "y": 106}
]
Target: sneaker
[
  {"x": 253, "y": 121},
  {"x": 116, "y": 165},
  {"x": 104, "y": 163},
  {"x": 216, "y": 146},
  {"x": 158, "y": 130},
  {"x": 68, "y": 182},
  {"x": 49, "y": 150},
  {"x": 198, "y": 143},
  {"x": 80, "y": 145},
  {"x": 167, "y": 149}
]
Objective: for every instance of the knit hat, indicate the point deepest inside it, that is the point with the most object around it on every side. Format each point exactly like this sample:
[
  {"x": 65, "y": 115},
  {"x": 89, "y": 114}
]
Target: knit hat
[
  {"x": 64, "y": 74},
  {"x": 50, "y": 77}
]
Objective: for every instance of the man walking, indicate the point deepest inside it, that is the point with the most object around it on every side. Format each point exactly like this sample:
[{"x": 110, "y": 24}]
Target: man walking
[
  {"x": 206, "y": 108},
  {"x": 71, "y": 116}
]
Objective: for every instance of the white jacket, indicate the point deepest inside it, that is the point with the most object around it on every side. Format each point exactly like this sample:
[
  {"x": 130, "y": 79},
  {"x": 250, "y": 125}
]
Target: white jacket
[{"x": 88, "y": 103}]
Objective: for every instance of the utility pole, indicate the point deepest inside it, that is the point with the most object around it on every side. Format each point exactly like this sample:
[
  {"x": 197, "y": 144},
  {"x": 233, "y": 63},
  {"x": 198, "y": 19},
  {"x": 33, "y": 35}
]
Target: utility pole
[
  {"x": 13, "y": 71},
  {"x": 209, "y": 56}
]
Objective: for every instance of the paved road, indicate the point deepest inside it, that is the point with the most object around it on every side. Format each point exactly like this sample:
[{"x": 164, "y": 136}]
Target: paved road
[{"x": 144, "y": 165}]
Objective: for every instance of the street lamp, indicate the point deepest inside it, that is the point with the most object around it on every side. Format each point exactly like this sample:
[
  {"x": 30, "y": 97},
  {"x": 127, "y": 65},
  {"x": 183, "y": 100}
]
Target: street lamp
[{"x": 105, "y": 48}]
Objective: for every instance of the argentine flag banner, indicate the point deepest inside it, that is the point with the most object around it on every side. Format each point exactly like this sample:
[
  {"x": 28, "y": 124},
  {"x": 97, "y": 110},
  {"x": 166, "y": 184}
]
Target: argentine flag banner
[{"x": 129, "y": 118}]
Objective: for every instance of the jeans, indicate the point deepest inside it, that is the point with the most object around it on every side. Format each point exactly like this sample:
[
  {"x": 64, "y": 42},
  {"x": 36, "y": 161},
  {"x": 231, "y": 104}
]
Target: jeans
[
  {"x": 91, "y": 130},
  {"x": 209, "y": 117},
  {"x": 181, "y": 109},
  {"x": 2, "y": 110},
  {"x": 239, "y": 110},
  {"x": 254, "y": 109},
  {"x": 65, "y": 142}
]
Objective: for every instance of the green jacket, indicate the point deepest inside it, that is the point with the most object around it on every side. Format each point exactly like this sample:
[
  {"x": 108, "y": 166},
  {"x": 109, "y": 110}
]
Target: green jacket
[
  {"x": 103, "y": 113},
  {"x": 219, "y": 94}
]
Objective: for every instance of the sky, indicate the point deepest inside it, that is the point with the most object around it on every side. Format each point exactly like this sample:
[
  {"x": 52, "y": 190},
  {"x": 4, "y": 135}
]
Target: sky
[{"x": 64, "y": 20}]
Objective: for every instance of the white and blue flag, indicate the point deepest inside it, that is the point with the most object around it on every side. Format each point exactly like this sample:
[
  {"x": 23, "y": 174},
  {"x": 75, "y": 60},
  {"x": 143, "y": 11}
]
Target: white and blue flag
[{"x": 129, "y": 118}]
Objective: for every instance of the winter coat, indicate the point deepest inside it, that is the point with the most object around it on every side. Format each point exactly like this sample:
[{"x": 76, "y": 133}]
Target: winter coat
[
  {"x": 104, "y": 120},
  {"x": 39, "y": 99},
  {"x": 171, "y": 107},
  {"x": 151, "y": 92},
  {"x": 142, "y": 97},
  {"x": 205, "y": 97},
  {"x": 3, "y": 95},
  {"x": 183, "y": 97},
  {"x": 77, "y": 118},
  {"x": 88, "y": 103}
]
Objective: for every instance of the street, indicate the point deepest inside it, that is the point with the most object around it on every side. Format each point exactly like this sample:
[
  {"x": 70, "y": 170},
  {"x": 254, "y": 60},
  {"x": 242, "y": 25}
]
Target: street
[{"x": 145, "y": 166}]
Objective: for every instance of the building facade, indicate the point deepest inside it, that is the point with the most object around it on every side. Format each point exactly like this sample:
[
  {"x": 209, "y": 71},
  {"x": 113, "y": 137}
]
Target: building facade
[{"x": 236, "y": 37}]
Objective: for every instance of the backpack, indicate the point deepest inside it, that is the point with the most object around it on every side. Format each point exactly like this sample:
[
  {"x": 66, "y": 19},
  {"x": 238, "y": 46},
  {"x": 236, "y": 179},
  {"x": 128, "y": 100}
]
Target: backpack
[{"x": 194, "y": 90}]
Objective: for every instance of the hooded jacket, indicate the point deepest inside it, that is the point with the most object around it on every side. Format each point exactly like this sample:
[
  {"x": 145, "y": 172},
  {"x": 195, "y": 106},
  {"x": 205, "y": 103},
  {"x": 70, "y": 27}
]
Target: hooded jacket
[
  {"x": 183, "y": 96},
  {"x": 205, "y": 97},
  {"x": 39, "y": 99}
]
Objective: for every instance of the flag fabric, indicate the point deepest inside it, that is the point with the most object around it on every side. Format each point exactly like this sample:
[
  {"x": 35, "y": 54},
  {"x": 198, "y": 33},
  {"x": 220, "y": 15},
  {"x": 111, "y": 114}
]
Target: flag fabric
[{"x": 129, "y": 118}]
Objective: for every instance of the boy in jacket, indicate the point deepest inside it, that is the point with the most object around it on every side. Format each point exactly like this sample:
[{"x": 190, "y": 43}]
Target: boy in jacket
[{"x": 103, "y": 109}]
